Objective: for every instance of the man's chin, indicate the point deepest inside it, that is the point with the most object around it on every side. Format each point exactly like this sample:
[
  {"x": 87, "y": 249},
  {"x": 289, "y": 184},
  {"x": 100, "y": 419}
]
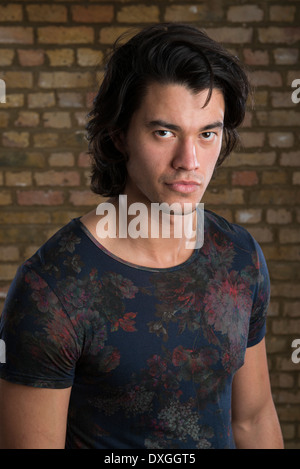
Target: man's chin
[{"x": 175, "y": 208}]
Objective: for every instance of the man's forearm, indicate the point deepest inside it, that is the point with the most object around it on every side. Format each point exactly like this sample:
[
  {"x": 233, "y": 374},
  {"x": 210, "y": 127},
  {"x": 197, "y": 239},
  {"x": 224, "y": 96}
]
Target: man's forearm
[{"x": 262, "y": 432}]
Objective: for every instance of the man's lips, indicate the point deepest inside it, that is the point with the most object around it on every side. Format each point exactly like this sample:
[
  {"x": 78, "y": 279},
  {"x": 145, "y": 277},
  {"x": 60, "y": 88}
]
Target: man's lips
[{"x": 184, "y": 186}]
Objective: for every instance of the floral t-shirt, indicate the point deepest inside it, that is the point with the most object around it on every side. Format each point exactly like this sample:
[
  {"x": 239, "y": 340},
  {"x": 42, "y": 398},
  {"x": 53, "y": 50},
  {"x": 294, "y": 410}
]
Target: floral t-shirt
[{"x": 150, "y": 353}]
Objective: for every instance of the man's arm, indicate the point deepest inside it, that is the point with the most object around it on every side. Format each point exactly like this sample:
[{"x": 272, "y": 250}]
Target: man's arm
[
  {"x": 32, "y": 418},
  {"x": 254, "y": 418}
]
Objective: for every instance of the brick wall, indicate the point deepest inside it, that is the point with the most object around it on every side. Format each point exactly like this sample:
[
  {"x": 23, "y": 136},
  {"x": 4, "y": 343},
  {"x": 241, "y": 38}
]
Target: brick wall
[{"x": 51, "y": 55}]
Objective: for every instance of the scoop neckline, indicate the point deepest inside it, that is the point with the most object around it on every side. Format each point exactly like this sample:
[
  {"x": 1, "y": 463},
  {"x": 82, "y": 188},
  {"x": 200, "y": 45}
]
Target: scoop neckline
[{"x": 116, "y": 258}]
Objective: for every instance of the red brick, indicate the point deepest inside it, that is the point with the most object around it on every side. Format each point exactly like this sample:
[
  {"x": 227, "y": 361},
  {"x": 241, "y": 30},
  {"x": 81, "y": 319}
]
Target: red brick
[
  {"x": 92, "y": 13},
  {"x": 47, "y": 13},
  {"x": 16, "y": 35},
  {"x": 29, "y": 58},
  {"x": 35, "y": 197},
  {"x": 244, "y": 178}
]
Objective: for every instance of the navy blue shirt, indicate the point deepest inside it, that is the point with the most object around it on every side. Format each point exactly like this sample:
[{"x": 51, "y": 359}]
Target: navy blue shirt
[{"x": 150, "y": 353}]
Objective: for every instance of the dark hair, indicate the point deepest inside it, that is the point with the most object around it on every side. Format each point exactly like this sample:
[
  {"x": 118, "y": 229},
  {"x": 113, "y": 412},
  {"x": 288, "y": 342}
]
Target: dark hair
[{"x": 168, "y": 53}]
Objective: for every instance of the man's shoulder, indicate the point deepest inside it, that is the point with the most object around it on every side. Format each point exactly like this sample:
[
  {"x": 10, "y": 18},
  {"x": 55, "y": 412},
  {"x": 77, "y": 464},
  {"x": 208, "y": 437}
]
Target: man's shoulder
[
  {"x": 230, "y": 237},
  {"x": 215, "y": 223},
  {"x": 54, "y": 251}
]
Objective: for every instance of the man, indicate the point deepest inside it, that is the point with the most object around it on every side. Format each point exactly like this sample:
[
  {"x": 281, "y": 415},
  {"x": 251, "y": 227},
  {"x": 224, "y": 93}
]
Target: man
[{"x": 150, "y": 341}]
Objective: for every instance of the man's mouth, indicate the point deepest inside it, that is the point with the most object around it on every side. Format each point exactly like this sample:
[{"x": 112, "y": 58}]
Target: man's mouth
[{"x": 184, "y": 186}]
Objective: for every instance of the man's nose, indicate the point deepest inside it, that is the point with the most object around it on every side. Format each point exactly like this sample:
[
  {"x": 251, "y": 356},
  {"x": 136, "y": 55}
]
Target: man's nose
[{"x": 186, "y": 156}]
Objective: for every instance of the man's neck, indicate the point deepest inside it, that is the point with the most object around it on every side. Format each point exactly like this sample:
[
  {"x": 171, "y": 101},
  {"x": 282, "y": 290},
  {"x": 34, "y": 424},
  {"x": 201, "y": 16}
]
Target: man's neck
[{"x": 142, "y": 236}]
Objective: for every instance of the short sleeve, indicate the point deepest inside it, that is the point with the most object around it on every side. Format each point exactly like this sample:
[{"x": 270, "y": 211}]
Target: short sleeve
[
  {"x": 40, "y": 341},
  {"x": 257, "y": 327}
]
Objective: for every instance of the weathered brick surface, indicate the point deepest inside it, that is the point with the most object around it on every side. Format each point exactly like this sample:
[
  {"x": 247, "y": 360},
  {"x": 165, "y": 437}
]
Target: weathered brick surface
[{"x": 51, "y": 58}]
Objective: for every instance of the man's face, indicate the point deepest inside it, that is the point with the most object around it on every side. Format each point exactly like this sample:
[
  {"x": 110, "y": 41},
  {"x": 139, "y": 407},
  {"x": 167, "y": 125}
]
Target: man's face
[{"x": 173, "y": 144}]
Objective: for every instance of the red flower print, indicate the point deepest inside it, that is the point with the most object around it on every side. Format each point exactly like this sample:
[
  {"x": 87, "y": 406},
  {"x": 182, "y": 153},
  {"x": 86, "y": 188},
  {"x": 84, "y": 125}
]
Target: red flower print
[
  {"x": 227, "y": 301},
  {"x": 126, "y": 323}
]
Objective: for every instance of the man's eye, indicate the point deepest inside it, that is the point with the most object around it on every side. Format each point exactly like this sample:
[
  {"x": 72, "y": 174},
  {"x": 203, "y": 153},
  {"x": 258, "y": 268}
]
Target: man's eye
[
  {"x": 208, "y": 135},
  {"x": 163, "y": 133}
]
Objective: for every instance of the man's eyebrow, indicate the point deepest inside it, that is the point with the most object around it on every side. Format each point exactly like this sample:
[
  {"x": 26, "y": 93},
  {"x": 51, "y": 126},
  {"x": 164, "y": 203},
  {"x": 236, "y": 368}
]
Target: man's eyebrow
[
  {"x": 164, "y": 124},
  {"x": 213, "y": 125},
  {"x": 167, "y": 125}
]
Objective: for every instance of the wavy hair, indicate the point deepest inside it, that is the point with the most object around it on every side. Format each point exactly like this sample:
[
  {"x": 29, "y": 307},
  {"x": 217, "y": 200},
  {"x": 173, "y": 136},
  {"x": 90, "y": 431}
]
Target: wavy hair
[{"x": 167, "y": 53}]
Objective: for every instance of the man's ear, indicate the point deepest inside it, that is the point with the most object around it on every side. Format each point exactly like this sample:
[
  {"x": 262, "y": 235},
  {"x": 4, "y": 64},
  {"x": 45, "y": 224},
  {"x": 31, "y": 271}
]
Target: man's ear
[{"x": 118, "y": 139}]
